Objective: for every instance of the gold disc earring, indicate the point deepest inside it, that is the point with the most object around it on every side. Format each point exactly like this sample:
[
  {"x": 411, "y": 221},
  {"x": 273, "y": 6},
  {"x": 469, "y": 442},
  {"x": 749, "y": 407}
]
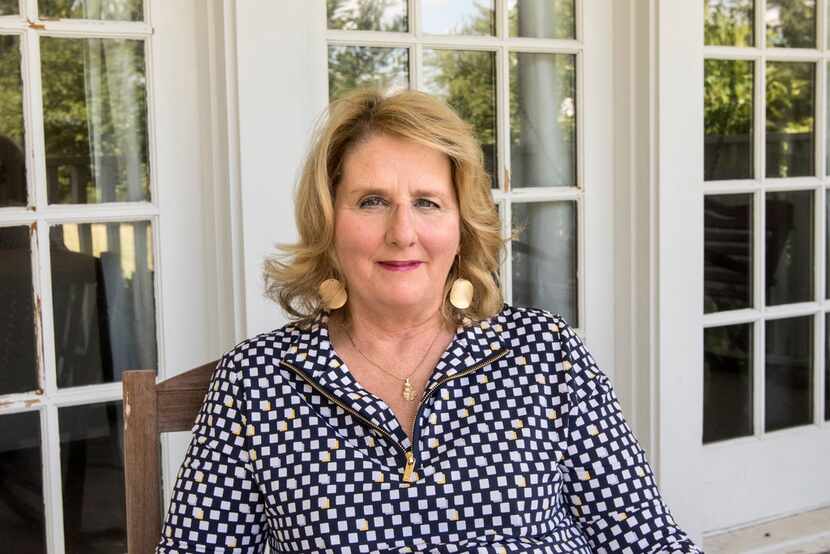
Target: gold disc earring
[
  {"x": 461, "y": 293},
  {"x": 332, "y": 294}
]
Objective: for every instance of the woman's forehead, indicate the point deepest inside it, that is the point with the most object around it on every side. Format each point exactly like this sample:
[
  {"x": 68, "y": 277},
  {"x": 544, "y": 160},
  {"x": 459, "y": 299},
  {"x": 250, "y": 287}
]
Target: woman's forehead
[{"x": 384, "y": 161}]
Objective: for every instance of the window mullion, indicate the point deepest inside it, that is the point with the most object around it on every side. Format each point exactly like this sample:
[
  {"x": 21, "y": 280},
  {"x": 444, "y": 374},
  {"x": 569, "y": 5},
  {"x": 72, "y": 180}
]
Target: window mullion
[
  {"x": 33, "y": 93},
  {"x": 415, "y": 17},
  {"x": 52, "y": 486},
  {"x": 416, "y": 57},
  {"x": 507, "y": 265}
]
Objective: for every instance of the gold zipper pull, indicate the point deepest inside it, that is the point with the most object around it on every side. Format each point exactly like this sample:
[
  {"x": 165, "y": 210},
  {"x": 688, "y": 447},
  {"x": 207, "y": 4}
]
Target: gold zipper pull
[{"x": 410, "y": 466}]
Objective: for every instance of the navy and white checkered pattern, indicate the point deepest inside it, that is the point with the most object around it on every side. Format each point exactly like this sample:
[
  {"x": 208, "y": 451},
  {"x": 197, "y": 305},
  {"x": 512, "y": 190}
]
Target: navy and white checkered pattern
[{"x": 520, "y": 446}]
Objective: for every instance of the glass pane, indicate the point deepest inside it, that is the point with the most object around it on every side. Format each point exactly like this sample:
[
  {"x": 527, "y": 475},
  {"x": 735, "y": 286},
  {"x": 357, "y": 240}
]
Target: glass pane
[
  {"x": 827, "y": 123},
  {"x": 12, "y": 145},
  {"x": 727, "y": 256},
  {"x": 542, "y": 18},
  {"x": 92, "y": 467},
  {"x": 466, "y": 80},
  {"x": 102, "y": 291},
  {"x": 22, "y": 522},
  {"x": 368, "y": 15},
  {"x": 18, "y": 348},
  {"x": 727, "y": 112},
  {"x": 120, "y": 10},
  {"x": 544, "y": 257},
  {"x": 790, "y": 120},
  {"x": 789, "y": 372},
  {"x": 791, "y": 23},
  {"x": 827, "y": 366},
  {"x": 95, "y": 120},
  {"x": 728, "y": 22},
  {"x": 362, "y": 66},
  {"x": 542, "y": 120},
  {"x": 727, "y": 382},
  {"x": 8, "y": 7},
  {"x": 789, "y": 247},
  {"x": 459, "y": 17}
]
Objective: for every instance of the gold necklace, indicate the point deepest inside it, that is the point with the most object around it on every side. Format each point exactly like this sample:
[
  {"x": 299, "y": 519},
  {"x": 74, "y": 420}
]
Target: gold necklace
[{"x": 408, "y": 391}]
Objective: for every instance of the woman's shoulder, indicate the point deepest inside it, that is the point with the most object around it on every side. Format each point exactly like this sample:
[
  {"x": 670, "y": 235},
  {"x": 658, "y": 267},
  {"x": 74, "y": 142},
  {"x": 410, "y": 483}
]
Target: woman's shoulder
[
  {"x": 265, "y": 346},
  {"x": 533, "y": 323}
]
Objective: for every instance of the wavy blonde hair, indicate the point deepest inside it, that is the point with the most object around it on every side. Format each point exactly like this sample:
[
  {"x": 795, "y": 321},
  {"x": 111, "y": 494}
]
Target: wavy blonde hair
[{"x": 293, "y": 276}]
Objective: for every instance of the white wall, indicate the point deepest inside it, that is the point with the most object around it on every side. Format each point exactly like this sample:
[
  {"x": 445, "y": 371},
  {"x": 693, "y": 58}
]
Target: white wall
[{"x": 268, "y": 37}]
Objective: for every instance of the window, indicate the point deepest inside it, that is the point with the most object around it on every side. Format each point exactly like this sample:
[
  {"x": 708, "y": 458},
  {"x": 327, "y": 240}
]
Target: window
[
  {"x": 513, "y": 70},
  {"x": 765, "y": 72},
  {"x": 78, "y": 220}
]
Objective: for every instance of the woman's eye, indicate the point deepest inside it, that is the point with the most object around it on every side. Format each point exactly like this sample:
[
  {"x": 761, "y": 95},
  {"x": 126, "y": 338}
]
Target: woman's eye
[
  {"x": 371, "y": 202},
  {"x": 426, "y": 203}
]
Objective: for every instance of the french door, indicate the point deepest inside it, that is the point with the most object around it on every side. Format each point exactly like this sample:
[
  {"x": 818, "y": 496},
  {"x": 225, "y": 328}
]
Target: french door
[
  {"x": 744, "y": 143},
  {"x": 531, "y": 77},
  {"x": 102, "y": 248}
]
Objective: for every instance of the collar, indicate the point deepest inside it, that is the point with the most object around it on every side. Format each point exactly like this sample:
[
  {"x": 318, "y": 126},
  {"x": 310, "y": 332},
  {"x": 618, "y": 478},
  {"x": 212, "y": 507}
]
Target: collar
[{"x": 310, "y": 350}]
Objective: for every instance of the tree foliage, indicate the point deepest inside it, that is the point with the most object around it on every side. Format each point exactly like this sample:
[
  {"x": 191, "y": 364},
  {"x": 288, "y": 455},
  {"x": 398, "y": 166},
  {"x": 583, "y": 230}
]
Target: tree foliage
[{"x": 94, "y": 114}]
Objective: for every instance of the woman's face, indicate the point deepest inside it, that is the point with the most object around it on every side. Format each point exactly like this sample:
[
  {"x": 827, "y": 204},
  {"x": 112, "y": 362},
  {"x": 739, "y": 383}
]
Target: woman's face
[{"x": 397, "y": 227}]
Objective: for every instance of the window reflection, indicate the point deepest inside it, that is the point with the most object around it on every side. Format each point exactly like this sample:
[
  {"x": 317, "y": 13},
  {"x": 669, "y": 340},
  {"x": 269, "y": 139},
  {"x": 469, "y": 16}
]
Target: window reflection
[
  {"x": 9, "y": 7},
  {"x": 22, "y": 521},
  {"x": 542, "y": 19},
  {"x": 95, "y": 120},
  {"x": 367, "y": 15},
  {"x": 115, "y": 10},
  {"x": 727, "y": 382},
  {"x": 466, "y": 81},
  {"x": 791, "y": 23},
  {"x": 18, "y": 347},
  {"x": 92, "y": 466},
  {"x": 542, "y": 119},
  {"x": 544, "y": 257},
  {"x": 104, "y": 306},
  {"x": 790, "y": 97},
  {"x": 789, "y": 372},
  {"x": 728, "y": 114},
  {"x": 12, "y": 145},
  {"x": 459, "y": 17},
  {"x": 827, "y": 367},
  {"x": 362, "y": 66},
  {"x": 727, "y": 281},
  {"x": 729, "y": 22},
  {"x": 789, "y": 247}
]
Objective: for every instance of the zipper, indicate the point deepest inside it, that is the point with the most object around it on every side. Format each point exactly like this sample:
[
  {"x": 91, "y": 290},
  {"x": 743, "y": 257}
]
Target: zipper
[
  {"x": 346, "y": 407},
  {"x": 487, "y": 361},
  {"x": 409, "y": 455}
]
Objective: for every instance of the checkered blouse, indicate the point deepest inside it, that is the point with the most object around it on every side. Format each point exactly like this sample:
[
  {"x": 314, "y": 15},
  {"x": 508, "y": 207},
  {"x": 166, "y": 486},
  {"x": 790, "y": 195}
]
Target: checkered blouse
[{"x": 520, "y": 446}]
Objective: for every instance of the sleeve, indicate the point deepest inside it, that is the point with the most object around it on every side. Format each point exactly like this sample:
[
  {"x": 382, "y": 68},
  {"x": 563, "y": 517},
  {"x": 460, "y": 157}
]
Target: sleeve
[
  {"x": 609, "y": 486},
  {"x": 216, "y": 505}
]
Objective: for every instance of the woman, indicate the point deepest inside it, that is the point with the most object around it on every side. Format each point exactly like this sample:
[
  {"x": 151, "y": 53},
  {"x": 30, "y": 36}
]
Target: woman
[{"x": 407, "y": 409}]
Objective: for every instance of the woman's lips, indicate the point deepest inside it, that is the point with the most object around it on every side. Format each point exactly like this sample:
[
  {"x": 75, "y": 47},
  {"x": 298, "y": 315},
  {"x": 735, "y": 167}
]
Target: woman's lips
[{"x": 399, "y": 266}]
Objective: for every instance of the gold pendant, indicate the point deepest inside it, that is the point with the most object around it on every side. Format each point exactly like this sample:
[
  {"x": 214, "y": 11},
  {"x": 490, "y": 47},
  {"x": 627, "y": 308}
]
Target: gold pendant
[{"x": 408, "y": 390}]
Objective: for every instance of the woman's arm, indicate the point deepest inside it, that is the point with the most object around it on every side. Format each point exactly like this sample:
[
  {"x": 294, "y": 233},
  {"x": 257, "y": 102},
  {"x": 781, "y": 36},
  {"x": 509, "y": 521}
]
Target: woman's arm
[
  {"x": 216, "y": 505},
  {"x": 609, "y": 485}
]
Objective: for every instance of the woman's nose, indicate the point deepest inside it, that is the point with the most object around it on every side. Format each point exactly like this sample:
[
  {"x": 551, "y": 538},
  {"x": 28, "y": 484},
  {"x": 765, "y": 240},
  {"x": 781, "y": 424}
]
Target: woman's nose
[{"x": 400, "y": 228}]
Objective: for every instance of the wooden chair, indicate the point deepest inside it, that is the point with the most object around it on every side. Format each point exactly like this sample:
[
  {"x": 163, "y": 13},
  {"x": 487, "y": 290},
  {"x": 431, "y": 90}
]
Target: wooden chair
[{"x": 149, "y": 410}]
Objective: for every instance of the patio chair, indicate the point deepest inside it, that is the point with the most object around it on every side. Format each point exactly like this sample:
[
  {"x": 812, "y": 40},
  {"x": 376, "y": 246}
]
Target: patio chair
[{"x": 149, "y": 410}]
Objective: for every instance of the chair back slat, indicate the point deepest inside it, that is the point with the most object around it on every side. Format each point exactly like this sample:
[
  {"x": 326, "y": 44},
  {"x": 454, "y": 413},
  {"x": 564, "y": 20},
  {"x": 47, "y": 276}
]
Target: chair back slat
[
  {"x": 180, "y": 397},
  {"x": 149, "y": 410},
  {"x": 142, "y": 467}
]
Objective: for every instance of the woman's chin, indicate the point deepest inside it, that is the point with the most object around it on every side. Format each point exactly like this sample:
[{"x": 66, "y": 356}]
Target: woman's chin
[{"x": 402, "y": 300}]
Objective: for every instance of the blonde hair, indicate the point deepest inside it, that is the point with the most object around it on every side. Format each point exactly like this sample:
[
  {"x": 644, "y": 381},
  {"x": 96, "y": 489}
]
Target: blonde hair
[{"x": 292, "y": 277}]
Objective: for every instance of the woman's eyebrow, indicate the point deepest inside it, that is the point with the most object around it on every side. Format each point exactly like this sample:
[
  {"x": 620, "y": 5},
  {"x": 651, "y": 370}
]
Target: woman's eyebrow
[
  {"x": 366, "y": 191},
  {"x": 370, "y": 190}
]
